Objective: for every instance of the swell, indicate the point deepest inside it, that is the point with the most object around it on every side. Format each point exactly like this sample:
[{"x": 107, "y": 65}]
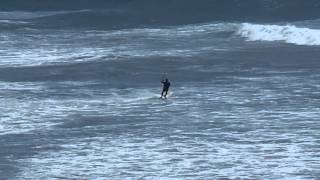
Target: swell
[
  {"x": 137, "y": 13},
  {"x": 148, "y": 71},
  {"x": 131, "y": 73},
  {"x": 111, "y": 71},
  {"x": 70, "y": 47}
]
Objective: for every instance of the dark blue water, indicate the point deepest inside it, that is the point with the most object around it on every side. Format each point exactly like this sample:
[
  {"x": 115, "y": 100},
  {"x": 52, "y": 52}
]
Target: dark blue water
[{"x": 79, "y": 89}]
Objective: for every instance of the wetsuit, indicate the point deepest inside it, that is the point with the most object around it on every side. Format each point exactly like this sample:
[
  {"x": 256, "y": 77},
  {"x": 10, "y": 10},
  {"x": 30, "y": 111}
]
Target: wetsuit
[{"x": 166, "y": 85}]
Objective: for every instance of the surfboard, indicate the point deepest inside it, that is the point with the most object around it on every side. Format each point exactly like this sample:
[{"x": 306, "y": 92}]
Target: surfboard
[{"x": 168, "y": 95}]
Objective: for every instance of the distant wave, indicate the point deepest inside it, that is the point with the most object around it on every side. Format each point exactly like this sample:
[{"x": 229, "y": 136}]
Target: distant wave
[
  {"x": 170, "y": 12},
  {"x": 171, "y": 41},
  {"x": 286, "y": 33},
  {"x": 10, "y": 20},
  {"x": 62, "y": 47},
  {"x": 12, "y": 24},
  {"x": 20, "y": 15}
]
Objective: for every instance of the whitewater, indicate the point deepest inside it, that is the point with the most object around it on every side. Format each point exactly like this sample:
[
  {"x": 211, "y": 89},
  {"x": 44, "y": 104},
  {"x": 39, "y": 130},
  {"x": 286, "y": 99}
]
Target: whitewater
[{"x": 83, "y": 103}]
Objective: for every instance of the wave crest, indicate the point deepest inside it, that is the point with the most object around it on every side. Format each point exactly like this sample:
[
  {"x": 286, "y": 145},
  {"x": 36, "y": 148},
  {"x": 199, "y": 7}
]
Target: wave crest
[{"x": 288, "y": 33}]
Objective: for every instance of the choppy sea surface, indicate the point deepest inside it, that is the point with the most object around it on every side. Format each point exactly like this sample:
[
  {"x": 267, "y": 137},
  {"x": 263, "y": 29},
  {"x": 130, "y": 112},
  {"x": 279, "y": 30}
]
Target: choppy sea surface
[{"x": 81, "y": 103}]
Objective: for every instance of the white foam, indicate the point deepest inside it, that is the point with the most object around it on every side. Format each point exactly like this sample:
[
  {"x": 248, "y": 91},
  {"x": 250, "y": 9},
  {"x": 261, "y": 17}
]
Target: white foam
[
  {"x": 93, "y": 158},
  {"x": 69, "y": 46},
  {"x": 24, "y": 114},
  {"x": 33, "y": 57},
  {"x": 287, "y": 33},
  {"x": 183, "y": 144}
]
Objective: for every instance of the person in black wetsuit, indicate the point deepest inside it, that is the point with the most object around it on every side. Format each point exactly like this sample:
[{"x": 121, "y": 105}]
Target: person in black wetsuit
[{"x": 165, "y": 89}]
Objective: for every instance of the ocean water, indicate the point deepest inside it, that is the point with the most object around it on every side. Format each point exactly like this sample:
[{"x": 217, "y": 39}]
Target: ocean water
[{"x": 80, "y": 94}]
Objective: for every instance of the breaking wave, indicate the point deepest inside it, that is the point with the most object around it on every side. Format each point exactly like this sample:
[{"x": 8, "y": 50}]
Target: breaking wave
[{"x": 286, "y": 33}]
